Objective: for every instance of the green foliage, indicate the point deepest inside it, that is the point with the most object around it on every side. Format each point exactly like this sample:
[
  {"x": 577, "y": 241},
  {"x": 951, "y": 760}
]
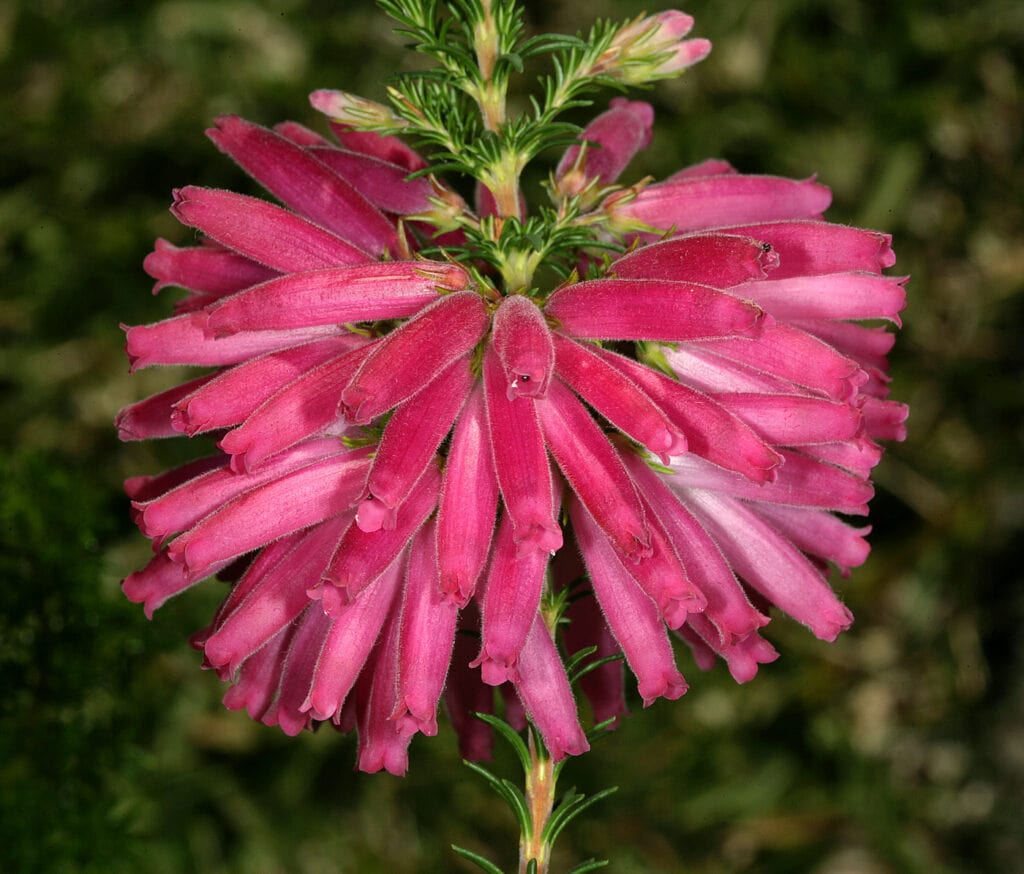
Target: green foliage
[{"x": 482, "y": 863}]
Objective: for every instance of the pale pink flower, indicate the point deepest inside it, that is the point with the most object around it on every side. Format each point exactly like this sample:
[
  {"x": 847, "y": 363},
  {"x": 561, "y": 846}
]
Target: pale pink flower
[
  {"x": 400, "y": 449},
  {"x": 653, "y": 47}
]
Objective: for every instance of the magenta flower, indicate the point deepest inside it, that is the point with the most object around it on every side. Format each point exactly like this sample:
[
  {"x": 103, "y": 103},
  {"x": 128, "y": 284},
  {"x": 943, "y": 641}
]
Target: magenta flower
[{"x": 404, "y": 443}]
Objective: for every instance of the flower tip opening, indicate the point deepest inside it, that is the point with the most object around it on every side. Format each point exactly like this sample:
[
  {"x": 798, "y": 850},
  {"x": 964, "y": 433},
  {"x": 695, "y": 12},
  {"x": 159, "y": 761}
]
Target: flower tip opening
[
  {"x": 671, "y": 686},
  {"x": 886, "y": 254},
  {"x": 527, "y": 384},
  {"x": 123, "y": 423},
  {"x": 829, "y": 627},
  {"x": 183, "y": 419},
  {"x": 544, "y": 535},
  {"x": 204, "y": 321},
  {"x": 456, "y": 588},
  {"x": 178, "y": 197},
  {"x": 561, "y": 746},
  {"x": 675, "y": 611},
  {"x": 394, "y": 761},
  {"x": 494, "y": 671},
  {"x": 353, "y": 400},
  {"x": 332, "y": 595},
  {"x": 767, "y": 259},
  {"x": 638, "y": 547},
  {"x": 763, "y": 321},
  {"x": 240, "y": 461},
  {"x": 135, "y": 356},
  {"x": 224, "y": 128},
  {"x": 149, "y": 605},
  {"x": 666, "y": 443},
  {"x": 321, "y": 705},
  {"x": 410, "y": 716},
  {"x": 373, "y": 515},
  {"x": 763, "y": 469},
  {"x": 745, "y": 658}
]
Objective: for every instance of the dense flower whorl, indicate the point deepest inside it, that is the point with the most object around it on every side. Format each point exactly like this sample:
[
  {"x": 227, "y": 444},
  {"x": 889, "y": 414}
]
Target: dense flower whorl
[{"x": 402, "y": 451}]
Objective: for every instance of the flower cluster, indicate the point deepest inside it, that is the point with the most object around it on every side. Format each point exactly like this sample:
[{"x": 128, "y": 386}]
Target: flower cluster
[{"x": 417, "y": 462}]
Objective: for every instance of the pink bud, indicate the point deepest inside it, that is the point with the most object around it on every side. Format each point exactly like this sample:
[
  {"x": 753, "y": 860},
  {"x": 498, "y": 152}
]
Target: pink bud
[
  {"x": 469, "y": 499},
  {"x": 520, "y": 461},
  {"x": 653, "y": 48},
  {"x": 383, "y": 741},
  {"x": 631, "y": 614},
  {"x": 510, "y": 603},
  {"x": 611, "y": 140},
  {"x": 409, "y": 443},
  {"x": 544, "y": 690},
  {"x": 523, "y": 342},
  {"x": 594, "y": 471},
  {"x": 349, "y": 642},
  {"x": 426, "y": 637},
  {"x": 303, "y": 183},
  {"x": 412, "y": 355}
]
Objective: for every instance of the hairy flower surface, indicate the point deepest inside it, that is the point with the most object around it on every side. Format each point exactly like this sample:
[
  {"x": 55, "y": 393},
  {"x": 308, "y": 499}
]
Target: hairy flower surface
[{"x": 405, "y": 441}]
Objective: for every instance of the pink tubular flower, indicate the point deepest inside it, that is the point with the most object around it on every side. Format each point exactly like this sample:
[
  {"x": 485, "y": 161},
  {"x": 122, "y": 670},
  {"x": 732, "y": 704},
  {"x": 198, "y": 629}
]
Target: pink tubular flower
[{"x": 404, "y": 442}]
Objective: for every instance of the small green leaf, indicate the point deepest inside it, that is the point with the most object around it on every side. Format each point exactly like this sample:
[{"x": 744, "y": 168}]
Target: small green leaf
[
  {"x": 510, "y": 793},
  {"x": 514, "y": 59},
  {"x": 577, "y": 658},
  {"x": 589, "y": 865},
  {"x": 594, "y": 665},
  {"x": 562, "y": 814},
  {"x": 520, "y": 806},
  {"x": 577, "y": 805},
  {"x": 511, "y": 735},
  {"x": 553, "y": 42},
  {"x": 477, "y": 859},
  {"x": 601, "y": 727}
]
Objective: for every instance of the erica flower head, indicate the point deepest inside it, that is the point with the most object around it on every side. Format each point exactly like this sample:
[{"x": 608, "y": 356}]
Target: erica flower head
[{"x": 438, "y": 423}]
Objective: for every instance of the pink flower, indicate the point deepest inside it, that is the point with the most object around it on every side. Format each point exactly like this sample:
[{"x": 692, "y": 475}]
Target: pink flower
[
  {"x": 654, "y": 47},
  {"x": 403, "y": 446}
]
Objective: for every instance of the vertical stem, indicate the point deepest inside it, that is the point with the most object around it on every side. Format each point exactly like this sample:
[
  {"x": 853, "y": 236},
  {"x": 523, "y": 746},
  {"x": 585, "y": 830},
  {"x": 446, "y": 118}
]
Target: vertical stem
[
  {"x": 490, "y": 95},
  {"x": 540, "y": 795},
  {"x": 487, "y": 43}
]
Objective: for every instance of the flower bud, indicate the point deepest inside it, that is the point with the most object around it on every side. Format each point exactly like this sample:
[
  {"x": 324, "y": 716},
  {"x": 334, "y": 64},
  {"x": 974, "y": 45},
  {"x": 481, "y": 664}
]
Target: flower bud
[
  {"x": 653, "y": 48},
  {"x": 352, "y": 110}
]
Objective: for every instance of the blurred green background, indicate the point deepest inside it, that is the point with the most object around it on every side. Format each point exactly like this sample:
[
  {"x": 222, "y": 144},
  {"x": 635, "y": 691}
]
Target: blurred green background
[{"x": 898, "y": 749}]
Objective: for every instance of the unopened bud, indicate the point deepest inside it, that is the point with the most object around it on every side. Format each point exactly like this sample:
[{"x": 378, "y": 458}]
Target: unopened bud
[
  {"x": 618, "y": 220},
  {"x": 653, "y": 48},
  {"x": 446, "y": 206},
  {"x": 358, "y": 112},
  {"x": 616, "y": 136}
]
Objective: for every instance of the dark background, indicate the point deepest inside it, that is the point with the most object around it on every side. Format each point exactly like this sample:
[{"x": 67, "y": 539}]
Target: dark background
[{"x": 898, "y": 749}]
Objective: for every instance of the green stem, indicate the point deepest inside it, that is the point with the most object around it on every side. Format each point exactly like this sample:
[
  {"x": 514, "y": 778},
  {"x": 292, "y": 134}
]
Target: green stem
[{"x": 491, "y": 94}]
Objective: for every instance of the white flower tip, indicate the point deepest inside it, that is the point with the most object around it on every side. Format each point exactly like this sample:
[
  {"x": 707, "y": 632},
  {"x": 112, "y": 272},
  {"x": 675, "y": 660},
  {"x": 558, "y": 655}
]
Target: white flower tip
[{"x": 330, "y": 103}]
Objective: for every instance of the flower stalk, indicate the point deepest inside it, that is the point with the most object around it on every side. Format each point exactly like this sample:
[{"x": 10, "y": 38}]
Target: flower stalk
[
  {"x": 491, "y": 90},
  {"x": 541, "y": 780}
]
